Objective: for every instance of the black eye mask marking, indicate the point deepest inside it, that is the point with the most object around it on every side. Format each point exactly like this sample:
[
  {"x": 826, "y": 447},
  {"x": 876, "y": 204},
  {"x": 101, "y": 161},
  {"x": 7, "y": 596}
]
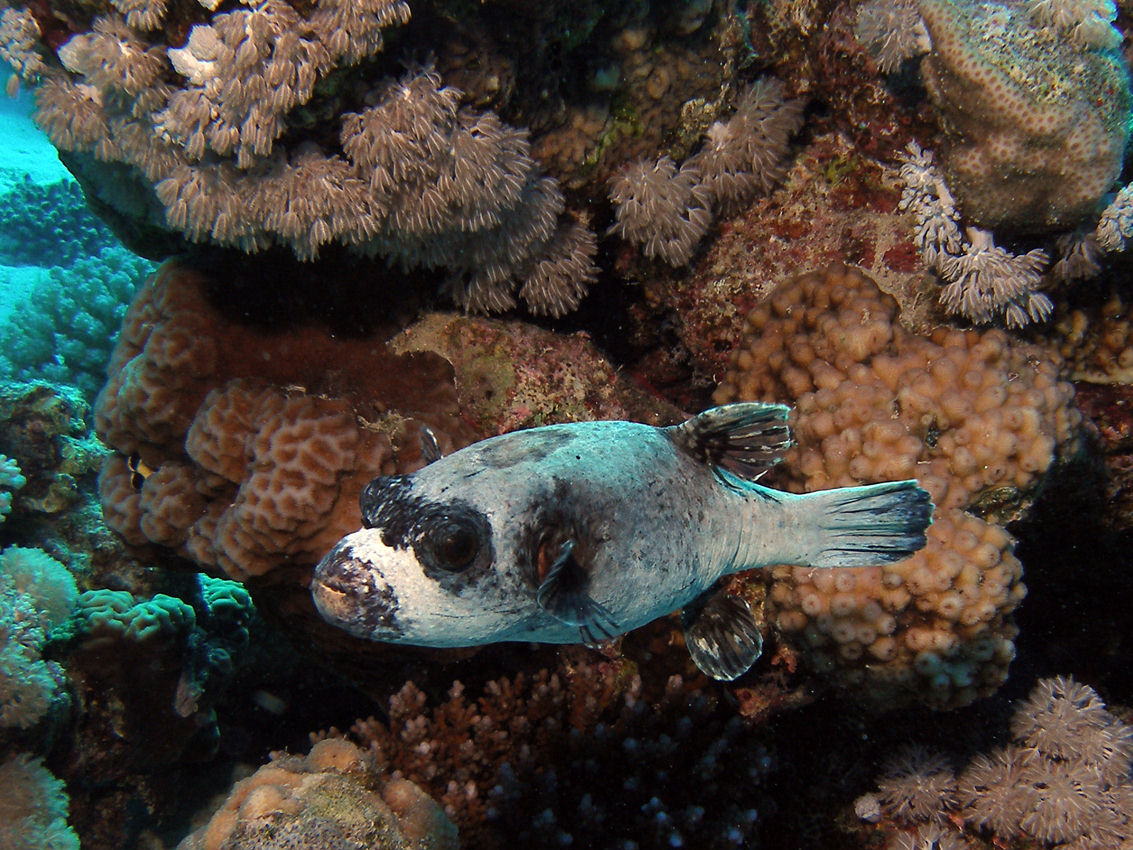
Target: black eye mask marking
[{"x": 451, "y": 540}]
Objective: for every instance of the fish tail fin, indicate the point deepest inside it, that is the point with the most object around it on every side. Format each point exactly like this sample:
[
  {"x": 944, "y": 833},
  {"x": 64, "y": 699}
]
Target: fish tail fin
[{"x": 868, "y": 525}]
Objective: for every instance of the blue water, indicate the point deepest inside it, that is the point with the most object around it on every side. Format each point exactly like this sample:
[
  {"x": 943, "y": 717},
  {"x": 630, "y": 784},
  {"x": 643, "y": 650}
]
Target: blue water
[{"x": 25, "y": 152}]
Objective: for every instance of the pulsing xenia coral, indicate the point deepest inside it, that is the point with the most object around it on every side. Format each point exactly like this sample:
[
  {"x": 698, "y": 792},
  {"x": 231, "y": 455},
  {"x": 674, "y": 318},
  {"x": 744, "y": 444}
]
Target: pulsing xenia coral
[
  {"x": 982, "y": 280},
  {"x": 220, "y": 129},
  {"x": 1063, "y": 780},
  {"x": 666, "y": 209}
]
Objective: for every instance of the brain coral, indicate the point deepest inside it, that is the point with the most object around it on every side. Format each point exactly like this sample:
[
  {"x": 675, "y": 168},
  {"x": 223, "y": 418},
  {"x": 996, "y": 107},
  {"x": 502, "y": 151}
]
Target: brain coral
[
  {"x": 244, "y": 448},
  {"x": 249, "y": 455},
  {"x": 976, "y": 417}
]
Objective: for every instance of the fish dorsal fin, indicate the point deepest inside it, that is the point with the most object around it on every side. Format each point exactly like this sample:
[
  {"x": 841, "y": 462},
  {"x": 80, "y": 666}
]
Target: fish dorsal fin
[
  {"x": 562, "y": 594},
  {"x": 745, "y": 439},
  {"x": 721, "y": 634}
]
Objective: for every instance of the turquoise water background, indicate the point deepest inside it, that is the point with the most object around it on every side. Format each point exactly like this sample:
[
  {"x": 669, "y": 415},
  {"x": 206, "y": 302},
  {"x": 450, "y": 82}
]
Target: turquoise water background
[{"x": 25, "y": 152}]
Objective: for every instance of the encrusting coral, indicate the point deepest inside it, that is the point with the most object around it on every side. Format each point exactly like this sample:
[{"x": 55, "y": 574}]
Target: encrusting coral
[
  {"x": 1064, "y": 780},
  {"x": 333, "y": 799},
  {"x": 976, "y": 418}
]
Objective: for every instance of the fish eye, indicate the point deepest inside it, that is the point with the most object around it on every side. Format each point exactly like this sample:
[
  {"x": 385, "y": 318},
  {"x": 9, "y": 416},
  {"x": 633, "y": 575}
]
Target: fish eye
[{"x": 455, "y": 544}]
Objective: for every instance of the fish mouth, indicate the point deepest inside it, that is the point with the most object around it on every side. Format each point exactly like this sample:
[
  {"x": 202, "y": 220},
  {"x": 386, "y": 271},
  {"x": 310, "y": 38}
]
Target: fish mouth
[{"x": 350, "y": 593}]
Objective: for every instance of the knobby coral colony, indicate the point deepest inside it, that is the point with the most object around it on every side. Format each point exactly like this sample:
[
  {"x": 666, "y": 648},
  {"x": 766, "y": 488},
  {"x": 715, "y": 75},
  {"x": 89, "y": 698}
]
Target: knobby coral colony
[
  {"x": 1033, "y": 100},
  {"x": 413, "y": 176}
]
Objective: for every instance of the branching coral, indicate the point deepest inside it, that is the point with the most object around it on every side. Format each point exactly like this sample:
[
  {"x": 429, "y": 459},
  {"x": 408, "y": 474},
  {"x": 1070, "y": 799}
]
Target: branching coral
[
  {"x": 975, "y": 417},
  {"x": 49, "y": 225},
  {"x": 579, "y": 757},
  {"x": 667, "y": 209},
  {"x": 10, "y": 481},
  {"x": 66, "y": 326}
]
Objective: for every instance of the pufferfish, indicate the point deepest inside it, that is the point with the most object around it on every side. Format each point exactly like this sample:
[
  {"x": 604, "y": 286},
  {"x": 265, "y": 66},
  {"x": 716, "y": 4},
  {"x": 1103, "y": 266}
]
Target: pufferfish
[{"x": 580, "y": 532}]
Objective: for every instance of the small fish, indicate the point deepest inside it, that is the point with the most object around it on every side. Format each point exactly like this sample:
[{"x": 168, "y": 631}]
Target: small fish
[{"x": 581, "y": 532}]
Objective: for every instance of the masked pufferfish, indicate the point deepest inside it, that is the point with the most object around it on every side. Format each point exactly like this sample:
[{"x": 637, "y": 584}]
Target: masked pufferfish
[{"x": 580, "y": 532}]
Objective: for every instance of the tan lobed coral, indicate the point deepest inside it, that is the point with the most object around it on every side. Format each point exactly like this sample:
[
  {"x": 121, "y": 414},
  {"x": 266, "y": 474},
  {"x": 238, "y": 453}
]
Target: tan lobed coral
[
  {"x": 244, "y": 449},
  {"x": 976, "y": 417},
  {"x": 334, "y": 799},
  {"x": 248, "y": 455}
]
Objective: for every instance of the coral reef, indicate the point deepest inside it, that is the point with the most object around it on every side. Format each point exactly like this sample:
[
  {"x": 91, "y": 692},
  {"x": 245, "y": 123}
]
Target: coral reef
[
  {"x": 49, "y": 225},
  {"x": 244, "y": 449},
  {"x": 579, "y": 756},
  {"x": 1033, "y": 103},
  {"x": 1063, "y": 780},
  {"x": 666, "y": 210},
  {"x": 189, "y": 649},
  {"x": 36, "y": 594},
  {"x": 1033, "y": 100},
  {"x": 976, "y": 418},
  {"x": 64, "y": 328},
  {"x": 33, "y": 808},
  {"x": 11, "y": 480},
  {"x": 46, "y": 428},
  {"x": 332, "y": 799},
  {"x": 984, "y": 282},
  {"x": 177, "y": 136}
]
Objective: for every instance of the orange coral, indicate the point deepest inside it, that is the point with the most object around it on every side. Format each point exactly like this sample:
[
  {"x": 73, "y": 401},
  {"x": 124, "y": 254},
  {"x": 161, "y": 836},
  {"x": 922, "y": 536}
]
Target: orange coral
[
  {"x": 976, "y": 417},
  {"x": 253, "y": 444},
  {"x": 257, "y": 444}
]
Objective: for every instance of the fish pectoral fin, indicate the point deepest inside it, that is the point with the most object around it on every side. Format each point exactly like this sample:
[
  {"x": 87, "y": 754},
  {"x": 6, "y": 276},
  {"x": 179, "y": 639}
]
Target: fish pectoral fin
[
  {"x": 745, "y": 439},
  {"x": 562, "y": 594},
  {"x": 722, "y": 635}
]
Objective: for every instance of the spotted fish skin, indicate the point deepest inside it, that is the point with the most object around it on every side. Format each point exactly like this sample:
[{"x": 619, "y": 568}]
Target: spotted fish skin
[{"x": 578, "y": 532}]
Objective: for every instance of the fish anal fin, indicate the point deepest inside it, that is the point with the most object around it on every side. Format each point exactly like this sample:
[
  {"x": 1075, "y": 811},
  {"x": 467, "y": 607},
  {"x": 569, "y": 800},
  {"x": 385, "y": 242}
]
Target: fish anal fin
[
  {"x": 745, "y": 438},
  {"x": 562, "y": 594},
  {"x": 722, "y": 635}
]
